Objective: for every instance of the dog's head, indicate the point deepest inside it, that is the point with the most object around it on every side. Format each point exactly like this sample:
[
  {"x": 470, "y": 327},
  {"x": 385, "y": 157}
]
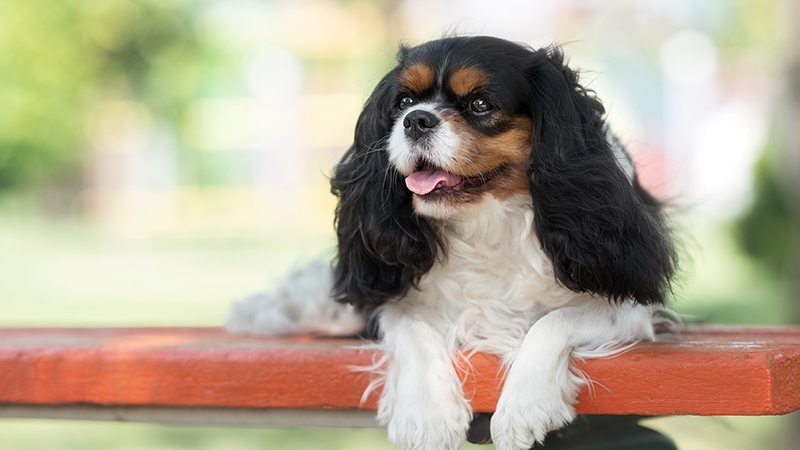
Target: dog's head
[
  {"x": 461, "y": 127},
  {"x": 461, "y": 119}
]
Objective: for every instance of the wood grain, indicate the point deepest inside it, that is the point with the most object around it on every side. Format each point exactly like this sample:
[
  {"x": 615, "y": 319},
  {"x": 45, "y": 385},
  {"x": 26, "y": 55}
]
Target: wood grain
[{"x": 705, "y": 370}]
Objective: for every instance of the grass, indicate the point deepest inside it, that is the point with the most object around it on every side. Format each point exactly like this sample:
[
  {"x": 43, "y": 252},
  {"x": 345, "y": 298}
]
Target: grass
[
  {"x": 21, "y": 434},
  {"x": 70, "y": 273},
  {"x": 58, "y": 274}
]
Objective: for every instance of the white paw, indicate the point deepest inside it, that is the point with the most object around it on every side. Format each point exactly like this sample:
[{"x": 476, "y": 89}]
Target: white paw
[
  {"x": 434, "y": 422},
  {"x": 434, "y": 429},
  {"x": 525, "y": 416}
]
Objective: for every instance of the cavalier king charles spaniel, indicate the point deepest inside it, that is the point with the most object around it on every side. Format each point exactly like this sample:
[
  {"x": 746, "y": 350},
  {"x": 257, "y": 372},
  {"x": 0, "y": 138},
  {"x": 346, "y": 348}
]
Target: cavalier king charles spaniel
[{"x": 484, "y": 206}]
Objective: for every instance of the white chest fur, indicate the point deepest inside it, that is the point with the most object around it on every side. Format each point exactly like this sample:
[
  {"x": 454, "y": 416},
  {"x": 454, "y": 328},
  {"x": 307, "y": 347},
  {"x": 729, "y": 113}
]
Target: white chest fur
[{"x": 495, "y": 282}]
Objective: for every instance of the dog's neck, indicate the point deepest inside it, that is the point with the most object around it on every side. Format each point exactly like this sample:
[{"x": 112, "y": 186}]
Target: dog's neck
[
  {"x": 491, "y": 226},
  {"x": 492, "y": 254}
]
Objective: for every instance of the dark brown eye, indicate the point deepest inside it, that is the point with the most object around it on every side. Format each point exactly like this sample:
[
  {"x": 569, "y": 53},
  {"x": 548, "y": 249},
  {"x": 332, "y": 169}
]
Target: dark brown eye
[
  {"x": 405, "y": 102},
  {"x": 479, "y": 105}
]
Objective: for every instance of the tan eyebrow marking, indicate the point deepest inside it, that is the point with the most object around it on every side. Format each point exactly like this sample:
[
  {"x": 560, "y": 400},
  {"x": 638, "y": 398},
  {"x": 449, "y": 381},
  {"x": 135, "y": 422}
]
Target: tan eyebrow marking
[
  {"x": 465, "y": 80},
  {"x": 418, "y": 77}
]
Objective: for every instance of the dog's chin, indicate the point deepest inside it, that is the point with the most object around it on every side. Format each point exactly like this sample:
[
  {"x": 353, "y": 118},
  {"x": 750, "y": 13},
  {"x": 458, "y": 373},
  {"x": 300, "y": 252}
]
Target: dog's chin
[{"x": 441, "y": 206}]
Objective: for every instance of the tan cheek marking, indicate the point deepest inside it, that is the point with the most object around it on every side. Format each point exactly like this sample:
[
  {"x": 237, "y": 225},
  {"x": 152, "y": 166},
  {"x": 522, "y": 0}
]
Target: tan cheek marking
[
  {"x": 418, "y": 78},
  {"x": 518, "y": 142},
  {"x": 485, "y": 153},
  {"x": 466, "y": 80}
]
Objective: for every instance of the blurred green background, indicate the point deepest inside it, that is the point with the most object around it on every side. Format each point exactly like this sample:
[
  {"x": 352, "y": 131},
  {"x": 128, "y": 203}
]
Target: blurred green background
[{"x": 161, "y": 159}]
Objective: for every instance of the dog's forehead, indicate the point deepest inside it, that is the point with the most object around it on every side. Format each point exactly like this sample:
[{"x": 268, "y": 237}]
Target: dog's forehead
[
  {"x": 461, "y": 65},
  {"x": 427, "y": 76}
]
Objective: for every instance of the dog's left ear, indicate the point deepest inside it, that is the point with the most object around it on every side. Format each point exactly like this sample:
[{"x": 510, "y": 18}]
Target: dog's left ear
[{"x": 603, "y": 232}]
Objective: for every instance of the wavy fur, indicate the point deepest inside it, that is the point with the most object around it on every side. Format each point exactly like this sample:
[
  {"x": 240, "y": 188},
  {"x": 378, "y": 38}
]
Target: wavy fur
[
  {"x": 604, "y": 233},
  {"x": 383, "y": 247}
]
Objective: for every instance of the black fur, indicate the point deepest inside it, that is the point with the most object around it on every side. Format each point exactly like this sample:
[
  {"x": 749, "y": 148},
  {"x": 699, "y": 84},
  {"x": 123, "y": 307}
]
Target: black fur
[
  {"x": 604, "y": 234},
  {"x": 384, "y": 248}
]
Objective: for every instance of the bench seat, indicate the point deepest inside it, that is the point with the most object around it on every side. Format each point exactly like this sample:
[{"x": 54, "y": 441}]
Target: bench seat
[{"x": 205, "y": 375}]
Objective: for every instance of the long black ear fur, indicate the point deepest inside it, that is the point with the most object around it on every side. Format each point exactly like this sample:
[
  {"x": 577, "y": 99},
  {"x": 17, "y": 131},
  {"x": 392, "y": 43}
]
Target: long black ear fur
[
  {"x": 384, "y": 248},
  {"x": 603, "y": 232}
]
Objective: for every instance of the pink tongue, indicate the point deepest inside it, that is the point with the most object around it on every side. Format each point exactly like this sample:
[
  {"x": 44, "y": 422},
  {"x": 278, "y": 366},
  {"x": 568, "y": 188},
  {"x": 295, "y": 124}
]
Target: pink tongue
[{"x": 426, "y": 180}]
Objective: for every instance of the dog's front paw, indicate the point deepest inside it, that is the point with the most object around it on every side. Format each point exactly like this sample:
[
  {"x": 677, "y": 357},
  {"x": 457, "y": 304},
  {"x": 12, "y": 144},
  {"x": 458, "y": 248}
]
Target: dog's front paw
[
  {"x": 525, "y": 416},
  {"x": 425, "y": 431},
  {"x": 417, "y": 423}
]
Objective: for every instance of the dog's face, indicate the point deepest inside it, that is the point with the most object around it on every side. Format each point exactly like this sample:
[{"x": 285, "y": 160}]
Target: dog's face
[{"x": 461, "y": 129}]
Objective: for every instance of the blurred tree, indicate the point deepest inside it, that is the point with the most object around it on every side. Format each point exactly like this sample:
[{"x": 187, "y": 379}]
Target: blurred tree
[
  {"x": 788, "y": 168},
  {"x": 770, "y": 230},
  {"x": 59, "y": 57}
]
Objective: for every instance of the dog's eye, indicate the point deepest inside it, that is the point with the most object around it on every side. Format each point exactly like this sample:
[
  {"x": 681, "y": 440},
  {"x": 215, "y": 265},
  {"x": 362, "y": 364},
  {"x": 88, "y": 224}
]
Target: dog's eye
[
  {"x": 480, "y": 105},
  {"x": 405, "y": 102}
]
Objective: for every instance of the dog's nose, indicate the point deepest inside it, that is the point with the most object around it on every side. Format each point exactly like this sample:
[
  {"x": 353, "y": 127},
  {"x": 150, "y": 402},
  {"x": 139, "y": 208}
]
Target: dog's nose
[{"x": 418, "y": 123}]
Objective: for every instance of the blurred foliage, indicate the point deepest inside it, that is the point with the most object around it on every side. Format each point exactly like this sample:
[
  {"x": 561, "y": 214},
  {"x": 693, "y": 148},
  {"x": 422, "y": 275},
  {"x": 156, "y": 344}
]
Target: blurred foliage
[
  {"x": 22, "y": 434},
  {"x": 768, "y": 230},
  {"x": 747, "y": 23},
  {"x": 59, "y": 57}
]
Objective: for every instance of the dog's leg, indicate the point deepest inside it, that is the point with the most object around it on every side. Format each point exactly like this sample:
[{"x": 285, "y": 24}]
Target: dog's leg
[
  {"x": 422, "y": 403},
  {"x": 540, "y": 390}
]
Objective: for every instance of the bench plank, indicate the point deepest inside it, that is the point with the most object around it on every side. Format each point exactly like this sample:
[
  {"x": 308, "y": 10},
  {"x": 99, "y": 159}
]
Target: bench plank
[{"x": 704, "y": 370}]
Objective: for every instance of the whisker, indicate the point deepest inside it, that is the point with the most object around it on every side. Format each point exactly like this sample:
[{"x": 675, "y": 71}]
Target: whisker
[{"x": 469, "y": 160}]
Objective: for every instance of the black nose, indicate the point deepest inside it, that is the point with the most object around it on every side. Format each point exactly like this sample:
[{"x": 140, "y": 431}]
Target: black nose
[{"x": 418, "y": 123}]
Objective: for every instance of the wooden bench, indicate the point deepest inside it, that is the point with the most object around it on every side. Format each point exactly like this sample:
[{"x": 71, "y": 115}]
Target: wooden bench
[{"x": 207, "y": 376}]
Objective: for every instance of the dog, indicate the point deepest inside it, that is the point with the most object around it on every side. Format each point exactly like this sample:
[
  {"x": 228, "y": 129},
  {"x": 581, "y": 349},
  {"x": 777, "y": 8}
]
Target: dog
[{"x": 484, "y": 206}]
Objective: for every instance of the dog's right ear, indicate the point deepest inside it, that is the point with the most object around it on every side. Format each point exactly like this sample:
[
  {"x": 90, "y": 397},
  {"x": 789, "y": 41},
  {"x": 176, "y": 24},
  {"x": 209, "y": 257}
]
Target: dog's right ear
[{"x": 383, "y": 247}]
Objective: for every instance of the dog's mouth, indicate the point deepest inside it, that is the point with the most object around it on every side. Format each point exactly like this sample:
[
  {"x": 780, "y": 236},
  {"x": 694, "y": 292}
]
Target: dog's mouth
[{"x": 431, "y": 179}]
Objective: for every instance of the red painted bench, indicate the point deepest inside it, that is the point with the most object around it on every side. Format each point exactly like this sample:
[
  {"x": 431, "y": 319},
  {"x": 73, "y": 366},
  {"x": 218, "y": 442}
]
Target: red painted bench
[{"x": 204, "y": 375}]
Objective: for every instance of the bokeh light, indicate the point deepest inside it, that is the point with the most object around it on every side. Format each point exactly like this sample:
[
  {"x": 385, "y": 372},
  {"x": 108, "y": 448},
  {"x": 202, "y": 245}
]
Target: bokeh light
[{"x": 160, "y": 159}]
